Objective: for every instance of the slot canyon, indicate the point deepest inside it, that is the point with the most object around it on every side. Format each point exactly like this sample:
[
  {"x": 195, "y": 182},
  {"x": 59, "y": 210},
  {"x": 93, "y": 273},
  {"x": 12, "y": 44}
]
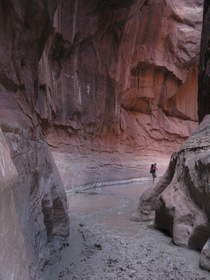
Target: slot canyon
[{"x": 91, "y": 93}]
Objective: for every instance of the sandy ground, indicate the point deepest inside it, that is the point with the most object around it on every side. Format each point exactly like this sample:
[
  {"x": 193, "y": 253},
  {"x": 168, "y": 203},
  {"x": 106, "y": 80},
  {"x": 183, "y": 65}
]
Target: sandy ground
[{"x": 106, "y": 245}]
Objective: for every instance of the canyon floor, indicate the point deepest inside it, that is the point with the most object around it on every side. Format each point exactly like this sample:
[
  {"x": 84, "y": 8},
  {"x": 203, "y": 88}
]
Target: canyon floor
[{"x": 106, "y": 244}]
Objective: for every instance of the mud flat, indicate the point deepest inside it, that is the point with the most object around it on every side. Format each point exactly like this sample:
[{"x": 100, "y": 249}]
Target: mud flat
[{"x": 105, "y": 244}]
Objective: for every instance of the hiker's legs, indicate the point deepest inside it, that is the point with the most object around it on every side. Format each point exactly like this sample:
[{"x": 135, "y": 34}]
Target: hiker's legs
[{"x": 153, "y": 177}]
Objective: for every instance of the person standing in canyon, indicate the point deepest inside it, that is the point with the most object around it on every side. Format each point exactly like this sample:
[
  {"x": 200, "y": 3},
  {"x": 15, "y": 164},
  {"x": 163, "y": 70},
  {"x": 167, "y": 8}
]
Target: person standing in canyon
[{"x": 153, "y": 170}]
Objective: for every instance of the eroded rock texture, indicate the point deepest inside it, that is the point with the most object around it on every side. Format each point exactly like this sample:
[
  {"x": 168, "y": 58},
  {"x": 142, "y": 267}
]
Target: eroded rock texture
[
  {"x": 12, "y": 241},
  {"x": 181, "y": 197},
  {"x": 121, "y": 73},
  {"x": 109, "y": 76},
  {"x": 179, "y": 202},
  {"x": 119, "y": 78},
  {"x": 34, "y": 220}
]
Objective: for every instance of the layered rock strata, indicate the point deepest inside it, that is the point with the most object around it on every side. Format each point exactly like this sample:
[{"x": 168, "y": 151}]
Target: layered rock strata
[
  {"x": 121, "y": 72},
  {"x": 179, "y": 203},
  {"x": 119, "y": 79}
]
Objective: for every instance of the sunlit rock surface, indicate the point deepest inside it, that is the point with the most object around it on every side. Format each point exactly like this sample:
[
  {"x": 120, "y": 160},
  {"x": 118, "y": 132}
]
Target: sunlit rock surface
[
  {"x": 119, "y": 78},
  {"x": 121, "y": 73}
]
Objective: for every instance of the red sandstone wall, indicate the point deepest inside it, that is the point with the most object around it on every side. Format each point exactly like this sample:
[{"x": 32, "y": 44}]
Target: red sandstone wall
[{"x": 125, "y": 70}]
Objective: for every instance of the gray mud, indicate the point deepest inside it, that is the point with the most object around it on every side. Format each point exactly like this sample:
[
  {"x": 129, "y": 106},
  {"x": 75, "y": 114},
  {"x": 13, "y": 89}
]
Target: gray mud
[{"x": 106, "y": 245}]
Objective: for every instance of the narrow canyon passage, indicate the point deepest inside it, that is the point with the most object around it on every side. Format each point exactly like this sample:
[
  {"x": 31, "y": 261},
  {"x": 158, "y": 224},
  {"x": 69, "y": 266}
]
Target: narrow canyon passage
[
  {"x": 91, "y": 93},
  {"x": 105, "y": 244}
]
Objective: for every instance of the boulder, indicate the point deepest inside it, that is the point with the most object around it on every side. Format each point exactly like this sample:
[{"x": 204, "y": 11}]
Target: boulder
[
  {"x": 179, "y": 203},
  {"x": 205, "y": 256}
]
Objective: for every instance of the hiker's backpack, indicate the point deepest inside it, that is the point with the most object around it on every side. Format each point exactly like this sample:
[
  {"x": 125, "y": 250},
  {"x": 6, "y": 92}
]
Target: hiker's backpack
[{"x": 151, "y": 168}]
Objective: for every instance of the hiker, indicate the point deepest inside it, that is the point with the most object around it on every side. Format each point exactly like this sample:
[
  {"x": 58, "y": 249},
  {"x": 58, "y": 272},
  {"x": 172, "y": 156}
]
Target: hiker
[{"x": 153, "y": 170}]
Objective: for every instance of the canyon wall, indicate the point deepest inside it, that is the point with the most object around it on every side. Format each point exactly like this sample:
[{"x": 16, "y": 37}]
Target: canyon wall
[
  {"x": 118, "y": 80},
  {"x": 204, "y": 75},
  {"x": 34, "y": 219},
  {"x": 179, "y": 203},
  {"x": 106, "y": 80},
  {"x": 122, "y": 69}
]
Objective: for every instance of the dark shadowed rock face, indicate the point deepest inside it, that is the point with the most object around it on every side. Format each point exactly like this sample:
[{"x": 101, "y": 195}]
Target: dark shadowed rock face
[
  {"x": 181, "y": 197},
  {"x": 34, "y": 220},
  {"x": 204, "y": 75}
]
